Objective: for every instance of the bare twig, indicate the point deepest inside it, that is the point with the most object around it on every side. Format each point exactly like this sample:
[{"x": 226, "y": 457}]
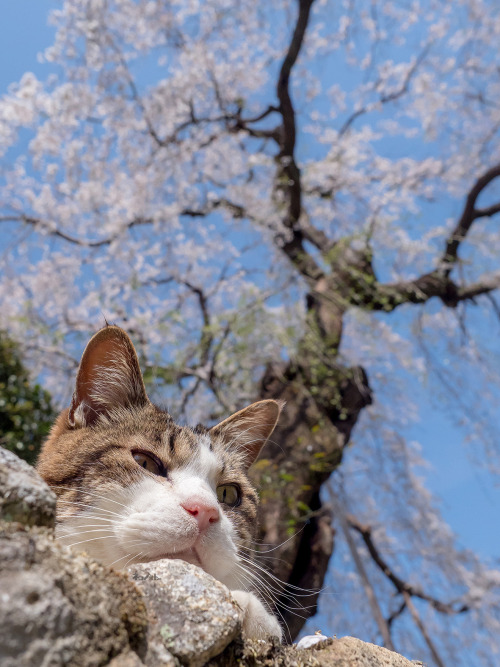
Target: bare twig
[
  {"x": 388, "y": 97},
  {"x": 469, "y": 215},
  {"x": 288, "y": 177},
  {"x": 401, "y": 586},
  {"x": 382, "y": 624},
  {"x": 418, "y": 622}
]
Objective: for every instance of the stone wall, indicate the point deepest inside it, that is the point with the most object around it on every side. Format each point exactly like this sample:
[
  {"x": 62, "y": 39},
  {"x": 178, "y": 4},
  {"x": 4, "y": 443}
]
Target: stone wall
[{"x": 63, "y": 608}]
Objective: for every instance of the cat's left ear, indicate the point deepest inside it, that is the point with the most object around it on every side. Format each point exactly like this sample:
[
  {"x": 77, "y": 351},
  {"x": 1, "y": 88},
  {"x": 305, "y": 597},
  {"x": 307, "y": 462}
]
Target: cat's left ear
[
  {"x": 249, "y": 429},
  {"x": 109, "y": 377}
]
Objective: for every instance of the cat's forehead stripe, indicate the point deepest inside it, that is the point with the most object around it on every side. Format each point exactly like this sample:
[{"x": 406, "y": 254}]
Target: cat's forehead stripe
[
  {"x": 208, "y": 461},
  {"x": 169, "y": 437}
]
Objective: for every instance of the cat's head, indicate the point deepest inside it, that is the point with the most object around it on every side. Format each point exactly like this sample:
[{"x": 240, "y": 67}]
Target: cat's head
[{"x": 133, "y": 486}]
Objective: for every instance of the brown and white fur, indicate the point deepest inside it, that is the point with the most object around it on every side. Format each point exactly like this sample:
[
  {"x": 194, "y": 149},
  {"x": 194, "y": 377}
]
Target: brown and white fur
[{"x": 133, "y": 486}]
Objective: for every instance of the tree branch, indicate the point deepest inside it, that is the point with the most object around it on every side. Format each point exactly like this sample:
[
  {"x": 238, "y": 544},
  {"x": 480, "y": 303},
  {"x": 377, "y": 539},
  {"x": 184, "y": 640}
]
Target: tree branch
[
  {"x": 286, "y": 106},
  {"x": 288, "y": 177},
  {"x": 401, "y": 586},
  {"x": 39, "y": 222},
  {"x": 430, "y": 285},
  {"x": 370, "y": 593},
  {"x": 469, "y": 215},
  {"x": 206, "y": 338},
  {"x": 388, "y": 97},
  {"x": 237, "y": 211},
  {"x": 423, "y": 630}
]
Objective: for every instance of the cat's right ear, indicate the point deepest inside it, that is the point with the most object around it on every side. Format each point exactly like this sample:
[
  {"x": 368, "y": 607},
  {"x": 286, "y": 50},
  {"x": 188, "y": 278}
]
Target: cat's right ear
[
  {"x": 109, "y": 377},
  {"x": 249, "y": 429}
]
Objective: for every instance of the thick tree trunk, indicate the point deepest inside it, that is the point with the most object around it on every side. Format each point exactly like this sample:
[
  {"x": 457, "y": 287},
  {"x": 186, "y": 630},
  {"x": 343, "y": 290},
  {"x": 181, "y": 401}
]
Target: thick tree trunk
[{"x": 323, "y": 401}]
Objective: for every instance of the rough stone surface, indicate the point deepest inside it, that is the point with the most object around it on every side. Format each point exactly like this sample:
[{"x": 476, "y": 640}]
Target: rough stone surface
[
  {"x": 130, "y": 659},
  {"x": 345, "y": 652},
  {"x": 24, "y": 496},
  {"x": 192, "y": 616},
  {"x": 351, "y": 652},
  {"x": 59, "y": 608}
]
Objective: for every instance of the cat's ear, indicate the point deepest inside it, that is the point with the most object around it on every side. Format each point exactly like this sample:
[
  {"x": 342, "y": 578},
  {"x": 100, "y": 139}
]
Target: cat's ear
[
  {"x": 109, "y": 377},
  {"x": 249, "y": 429}
]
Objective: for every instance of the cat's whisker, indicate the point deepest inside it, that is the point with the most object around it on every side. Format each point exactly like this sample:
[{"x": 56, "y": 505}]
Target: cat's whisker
[
  {"x": 75, "y": 530},
  {"x": 119, "y": 559},
  {"x": 292, "y": 605},
  {"x": 83, "y": 532},
  {"x": 271, "y": 559},
  {"x": 111, "y": 524},
  {"x": 132, "y": 558},
  {"x": 245, "y": 581},
  {"x": 126, "y": 555},
  {"x": 85, "y": 516},
  {"x": 70, "y": 503},
  {"x": 260, "y": 584},
  {"x": 89, "y": 493},
  {"x": 63, "y": 521},
  {"x": 72, "y": 534},
  {"x": 284, "y": 623},
  {"x": 93, "y": 525},
  {"x": 303, "y": 591},
  {"x": 262, "y": 589},
  {"x": 92, "y": 539},
  {"x": 278, "y": 546}
]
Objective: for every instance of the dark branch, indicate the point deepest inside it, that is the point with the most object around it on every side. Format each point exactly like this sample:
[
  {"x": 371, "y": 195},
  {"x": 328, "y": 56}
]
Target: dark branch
[
  {"x": 428, "y": 286},
  {"x": 270, "y": 109},
  {"x": 418, "y": 622},
  {"x": 286, "y": 106},
  {"x": 401, "y": 586},
  {"x": 388, "y": 97},
  {"x": 287, "y": 111},
  {"x": 288, "y": 176},
  {"x": 488, "y": 212},
  {"x": 395, "y": 614},
  {"x": 236, "y": 210},
  {"x": 469, "y": 215},
  {"x": 206, "y": 338},
  {"x": 383, "y": 626}
]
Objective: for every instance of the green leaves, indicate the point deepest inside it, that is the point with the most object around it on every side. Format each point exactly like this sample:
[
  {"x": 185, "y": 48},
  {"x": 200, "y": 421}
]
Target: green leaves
[{"x": 26, "y": 412}]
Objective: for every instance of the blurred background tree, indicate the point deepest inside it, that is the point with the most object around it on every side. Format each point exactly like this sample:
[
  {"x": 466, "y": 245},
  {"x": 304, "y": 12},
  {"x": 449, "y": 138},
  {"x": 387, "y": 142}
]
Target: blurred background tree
[{"x": 26, "y": 412}]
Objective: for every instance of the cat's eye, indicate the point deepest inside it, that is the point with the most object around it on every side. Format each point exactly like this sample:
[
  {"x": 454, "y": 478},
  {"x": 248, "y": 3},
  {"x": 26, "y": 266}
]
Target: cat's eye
[
  {"x": 229, "y": 494},
  {"x": 149, "y": 462}
]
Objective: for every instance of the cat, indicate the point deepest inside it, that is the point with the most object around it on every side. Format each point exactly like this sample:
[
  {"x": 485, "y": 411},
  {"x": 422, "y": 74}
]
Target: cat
[{"x": 132, "y": 486}]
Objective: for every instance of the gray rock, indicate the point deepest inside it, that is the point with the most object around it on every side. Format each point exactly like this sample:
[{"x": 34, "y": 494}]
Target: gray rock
[
  {"x": 130, "y": 659},
  {"x": 192, "y": 616},
  {"x": 352, "y": 652},
  {"x": 345, "y": 652},
  {"x": 24, "y": 496},
  {"x": 60, "y": 608}
]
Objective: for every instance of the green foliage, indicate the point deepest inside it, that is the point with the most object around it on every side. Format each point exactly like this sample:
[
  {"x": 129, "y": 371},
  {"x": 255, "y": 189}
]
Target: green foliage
[{"x": 26, "y": 411}]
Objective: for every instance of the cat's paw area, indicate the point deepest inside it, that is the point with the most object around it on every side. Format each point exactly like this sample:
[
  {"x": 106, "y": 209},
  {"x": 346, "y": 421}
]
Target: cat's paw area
[{"x": 258, "y": 622}]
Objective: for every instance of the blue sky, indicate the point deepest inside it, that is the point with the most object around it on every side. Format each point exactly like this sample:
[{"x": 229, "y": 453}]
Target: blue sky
[
  {"x": 470, "y": 503},
  {"x": 23, "y": 34}
]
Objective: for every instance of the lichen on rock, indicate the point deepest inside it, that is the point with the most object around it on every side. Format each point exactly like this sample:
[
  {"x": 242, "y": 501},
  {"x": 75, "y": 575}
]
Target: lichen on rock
[
  {"x": 24, "y": 496},
  {"x": 60, "y": 608},
  {"x": 191, "y": 614}
]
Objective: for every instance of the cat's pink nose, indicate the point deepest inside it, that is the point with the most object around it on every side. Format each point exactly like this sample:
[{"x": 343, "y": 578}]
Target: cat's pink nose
[{"x": 204, "y": 513}]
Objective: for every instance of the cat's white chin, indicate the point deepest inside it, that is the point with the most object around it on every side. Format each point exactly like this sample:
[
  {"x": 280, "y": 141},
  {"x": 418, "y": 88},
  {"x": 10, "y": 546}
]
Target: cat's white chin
[{"x": 189, "y": 556}]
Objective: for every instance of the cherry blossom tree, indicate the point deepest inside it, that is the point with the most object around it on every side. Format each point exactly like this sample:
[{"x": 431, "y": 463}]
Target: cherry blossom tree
[{"x": 295, "y": 199}]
